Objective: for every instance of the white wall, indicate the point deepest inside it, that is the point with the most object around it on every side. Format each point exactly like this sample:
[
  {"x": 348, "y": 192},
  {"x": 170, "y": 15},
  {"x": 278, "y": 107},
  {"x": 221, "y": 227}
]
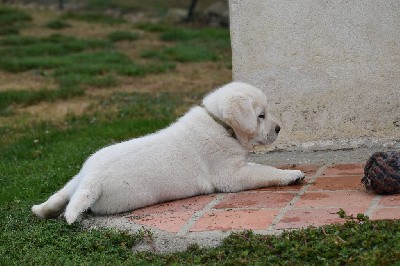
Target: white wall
[{"x": 331, "y": 68}]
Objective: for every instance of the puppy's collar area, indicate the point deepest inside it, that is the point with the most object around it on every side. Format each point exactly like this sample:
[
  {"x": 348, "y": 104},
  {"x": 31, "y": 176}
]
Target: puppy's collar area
[{"x": 228, "y": 128}]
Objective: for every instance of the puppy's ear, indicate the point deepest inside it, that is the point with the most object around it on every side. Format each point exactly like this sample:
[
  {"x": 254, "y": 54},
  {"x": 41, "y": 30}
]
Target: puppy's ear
[{"x": 238, "y": 112}]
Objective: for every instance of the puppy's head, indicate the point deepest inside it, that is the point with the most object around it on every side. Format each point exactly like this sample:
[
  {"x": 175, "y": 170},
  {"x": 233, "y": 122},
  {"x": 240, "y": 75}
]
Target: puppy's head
[{"x": 245, "y": 109}]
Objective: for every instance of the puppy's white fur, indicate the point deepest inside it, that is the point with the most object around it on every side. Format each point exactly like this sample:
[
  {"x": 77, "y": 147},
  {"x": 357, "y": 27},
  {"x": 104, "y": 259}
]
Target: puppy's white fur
[{"x": 195, "y": 155}]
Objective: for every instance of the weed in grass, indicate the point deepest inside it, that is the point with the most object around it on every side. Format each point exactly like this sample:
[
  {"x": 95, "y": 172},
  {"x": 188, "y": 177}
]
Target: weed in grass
[
  {"x": 117, "y": 36},
  {"x": 57, "y": 24},
  {"x": 360, "y": 217},
  {"x": 93, "y": 18}
]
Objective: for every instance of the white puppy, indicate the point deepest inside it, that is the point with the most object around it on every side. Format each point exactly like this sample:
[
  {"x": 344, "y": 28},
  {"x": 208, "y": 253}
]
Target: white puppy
[{"x": 205, "y": 151}]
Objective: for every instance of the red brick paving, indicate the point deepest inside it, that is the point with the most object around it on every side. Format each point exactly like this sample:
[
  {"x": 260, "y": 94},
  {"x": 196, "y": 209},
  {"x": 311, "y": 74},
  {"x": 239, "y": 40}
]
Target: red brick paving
[
  {"x": 337, "y": 198},
  {"x": 235, "y": 220},
  {"x": 170, "y": 216},
  {"x": 315, "y": 202},
  {"x": 386, "y": 213},
  {"x": 344, "y": 169},
  {"x": 262, "y": 199},
  {"x": 338, "y": 183},
  {"x": 298, "y": 218},
  {"x": 390, "y": 201}
]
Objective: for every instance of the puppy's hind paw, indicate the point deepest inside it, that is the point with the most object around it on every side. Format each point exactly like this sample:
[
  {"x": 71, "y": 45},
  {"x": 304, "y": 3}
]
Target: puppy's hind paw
[{"x": 37, "y": 210}]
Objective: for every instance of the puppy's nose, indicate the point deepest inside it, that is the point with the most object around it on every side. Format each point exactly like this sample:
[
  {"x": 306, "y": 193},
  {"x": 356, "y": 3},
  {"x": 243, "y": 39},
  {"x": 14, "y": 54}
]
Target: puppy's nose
[{"x": 277, "y": 129}]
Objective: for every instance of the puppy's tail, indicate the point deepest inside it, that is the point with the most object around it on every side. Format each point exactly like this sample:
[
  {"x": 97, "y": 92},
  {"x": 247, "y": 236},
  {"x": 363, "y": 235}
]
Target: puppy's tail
[{"x": 55, "y": 205}]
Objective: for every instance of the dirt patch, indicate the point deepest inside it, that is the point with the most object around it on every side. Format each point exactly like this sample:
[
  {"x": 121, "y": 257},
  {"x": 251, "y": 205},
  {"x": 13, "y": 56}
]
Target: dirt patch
[
  {"x": 55, "y": 111},
  {"x": 30, "y": 80}
]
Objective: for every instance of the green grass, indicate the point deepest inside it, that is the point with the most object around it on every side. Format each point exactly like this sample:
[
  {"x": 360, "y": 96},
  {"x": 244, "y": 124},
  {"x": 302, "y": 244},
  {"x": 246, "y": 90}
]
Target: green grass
[
  {"x": 52, "y": 45},
  {"x": 39, "y": 162},
  {"x": 38, "y": 158},
  {"x": 73, "y": 62},
  {"x": 57, "y": 24},
  {"x": 45, "y": 156},
  {"x": 214, "y": 39},
  {"x": 93, "y": 17},
  {"x": 192, "y": 45},
  {"x": 117, "y": 36},
  {"x": 182, "y": 53},
  {"x": 9, "y": 15},
  {"x": 75, "y": 79},
  {"x": 152, "y": 27},
  {"x": 185, "y": 34},
  {"x": 151, "y": 6},
  {"x": 26, "y": 97},
  {"x": 31, "y": 97},
  {"x": 365, "y": 243},
  {"x": 190, "y": 53},
  {"x": 12, "y": 20},
  {"x": 78, "y": 63},
  {"x": 67, "y": 54}
]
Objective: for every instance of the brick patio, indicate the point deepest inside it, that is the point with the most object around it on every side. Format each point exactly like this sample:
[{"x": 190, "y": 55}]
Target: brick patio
[{"x": 315, "y": 202}]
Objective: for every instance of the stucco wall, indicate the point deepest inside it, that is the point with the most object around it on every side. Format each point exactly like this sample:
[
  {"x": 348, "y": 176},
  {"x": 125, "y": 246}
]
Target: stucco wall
[{"x": 331, "y": 68}]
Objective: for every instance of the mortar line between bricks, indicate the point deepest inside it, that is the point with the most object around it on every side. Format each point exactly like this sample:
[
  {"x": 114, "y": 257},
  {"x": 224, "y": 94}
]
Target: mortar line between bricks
[
  {"x": 198, "y": 214},
  {"x": 291, "y": 203},
  {"x": 373, "y": 206},
  {"x": 341, "y": 175}
]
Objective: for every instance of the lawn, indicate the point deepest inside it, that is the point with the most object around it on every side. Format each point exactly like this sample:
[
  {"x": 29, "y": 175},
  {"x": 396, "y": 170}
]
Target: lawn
[{"x": 74, "y": 83}]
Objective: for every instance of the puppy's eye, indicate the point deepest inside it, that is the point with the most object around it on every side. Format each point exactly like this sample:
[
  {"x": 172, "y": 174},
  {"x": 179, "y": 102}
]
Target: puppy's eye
[{"x": 262, "y": 116}]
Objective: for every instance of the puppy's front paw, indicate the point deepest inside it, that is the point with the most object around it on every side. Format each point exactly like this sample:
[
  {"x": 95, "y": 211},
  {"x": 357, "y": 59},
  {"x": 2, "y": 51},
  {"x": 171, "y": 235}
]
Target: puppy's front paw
[
  {"x": 294, "y": 177},
  {"x": 71, "y": 216}
]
